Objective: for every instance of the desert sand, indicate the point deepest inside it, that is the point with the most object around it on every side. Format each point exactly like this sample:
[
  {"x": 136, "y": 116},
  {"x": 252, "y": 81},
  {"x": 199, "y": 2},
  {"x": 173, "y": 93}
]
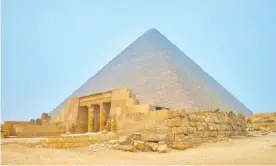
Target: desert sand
[{"x": 250, "y": 150}]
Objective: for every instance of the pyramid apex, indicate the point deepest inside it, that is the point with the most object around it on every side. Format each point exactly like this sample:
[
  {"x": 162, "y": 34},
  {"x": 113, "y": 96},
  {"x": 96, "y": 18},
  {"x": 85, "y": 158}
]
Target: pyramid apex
[{"x": 152, "y": 30}]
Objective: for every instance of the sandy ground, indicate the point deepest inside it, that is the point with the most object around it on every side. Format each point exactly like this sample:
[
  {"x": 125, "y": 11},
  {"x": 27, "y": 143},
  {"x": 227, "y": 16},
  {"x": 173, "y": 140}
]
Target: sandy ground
[{"x": 253, "y": 150}]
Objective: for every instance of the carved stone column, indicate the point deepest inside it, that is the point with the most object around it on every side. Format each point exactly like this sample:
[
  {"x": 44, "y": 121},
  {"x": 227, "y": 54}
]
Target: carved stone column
[
  {"x": 102, "y": 116},
  {"x": 91, "y": 118}
]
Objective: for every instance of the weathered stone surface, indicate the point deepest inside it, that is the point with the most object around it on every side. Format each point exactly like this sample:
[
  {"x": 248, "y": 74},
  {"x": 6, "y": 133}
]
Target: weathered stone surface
[
  {"x": 181, "y": 146},
  {"x": 140, "y": 145},
  {"x": 178, "y": 137},
  {"x": 192, "y": 124},
  {"x": 164, "y": 130},
  {"x": 191, "y": 130},
  {"x": 174, "y": 122},
  {"x": 161, "y": 142},
  {"x": 136, "y": 136},
  {"x": 124, "y": 140},
  {"x": 152, "y": 137},
  {"x": 153, "y": 146},
  {"x": 129, "y": 148},
  {"x": 211, "y": 127},
  {"x": 163, "y": 148},
  {"x": 113, "y": 142},
  {"x": 199, "y": 126},
  {"x": 184, "y": 122},
  {"x": 162, "y": 115}
]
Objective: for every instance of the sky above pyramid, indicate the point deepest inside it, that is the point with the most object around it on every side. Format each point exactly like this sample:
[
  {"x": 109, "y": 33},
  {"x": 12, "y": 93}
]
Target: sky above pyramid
[{"x": 160, "y": 74}]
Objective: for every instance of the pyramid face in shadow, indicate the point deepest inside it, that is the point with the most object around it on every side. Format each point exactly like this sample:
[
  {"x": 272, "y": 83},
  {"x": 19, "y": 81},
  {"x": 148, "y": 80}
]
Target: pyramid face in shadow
[{"x": 162, "y": 75}]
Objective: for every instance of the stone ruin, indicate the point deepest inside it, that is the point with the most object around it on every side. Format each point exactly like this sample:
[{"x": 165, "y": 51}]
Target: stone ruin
[
  {"x": 97, "y": 114},
  {"x": 45, "y": 118}
]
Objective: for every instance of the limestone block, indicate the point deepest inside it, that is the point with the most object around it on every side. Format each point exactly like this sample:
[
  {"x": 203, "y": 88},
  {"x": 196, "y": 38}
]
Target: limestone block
[
  {"x": 205, "y": 134},
  {"x": 130, "y": 102},
  {"x": 192, "y": 123},
  {"x": 174, "y": 122},
  {"x": 139, "y": 145},
  {"x": 152, "y": 137},
  {"x": 184, "y": 122},
  {"x": 222, "y": 133},
  {"x": 179, "y": 137},
  {"x": 125, "y": 148},
  {"x": 181, "y": 146},
  {"x": 151, "y": 130},
  {"x": 162, "y": 115},
  {"x": 153, "y": 146},
  {"x": 164, "y": 130},
  {"x": 176, "y": 113},
  {"x": 139, "y": 116},
  {"x": 208, "y": 119},
  {"x": 192, "y": 117},
  {"x": 213, "y": 133},
  {"x": 217, "y": 119},
  {"x": 199, "y": 134},
  {"x": 212, "y": 127},
  {"x": 124, "y": 140},
  {"x": 181, "y": 113},
  {"x": 161, "y": 123},
  {"x": 199, "y": 126},
  {"x": 149, "y": 124},
  {"x": 151, "y": 115},
  {"x": 177, "y": 130},
  {"x": 191, "y": 130},
  {"x": 196, "y": 141},
  {"x": 163, "y": 148},
  {"x": 139, "y": 108},
  {"x": 169, "y": 138}
]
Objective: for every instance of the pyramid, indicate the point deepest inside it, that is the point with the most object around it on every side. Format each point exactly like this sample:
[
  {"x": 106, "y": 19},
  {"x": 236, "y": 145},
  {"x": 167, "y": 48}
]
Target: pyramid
[{"x": 162, "y": 75}]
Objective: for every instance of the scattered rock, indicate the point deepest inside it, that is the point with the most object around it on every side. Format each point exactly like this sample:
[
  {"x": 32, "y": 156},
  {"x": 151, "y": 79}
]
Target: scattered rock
[
  {"x": 153, "y": 146},
  {"x": 124, "y": 140},
  {"x": 97, "y": 147},
  {"x": 113, "y": 142},
  {"x": 125, "y": 148},
  {"x": 136, "y": 136},
  {"x": 163, "y": 148},
  {"x": 181, "y": 146},
  {"x": 151, "y": 137},
  {"x": 140, "y": 145}
]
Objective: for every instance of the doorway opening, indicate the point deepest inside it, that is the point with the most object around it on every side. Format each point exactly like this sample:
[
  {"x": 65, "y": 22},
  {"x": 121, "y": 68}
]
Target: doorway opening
[
  {"x": 82, "y": 120},
  {"x": 96, "y": 118}
]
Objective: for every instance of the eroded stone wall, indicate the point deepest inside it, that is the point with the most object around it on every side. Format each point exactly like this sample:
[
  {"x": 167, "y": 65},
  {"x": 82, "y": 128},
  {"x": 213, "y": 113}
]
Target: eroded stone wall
[
  {"x": 262, "y": 122},
  {"x": 31, "y": 130},
  {"x": 179, "y": 127}
]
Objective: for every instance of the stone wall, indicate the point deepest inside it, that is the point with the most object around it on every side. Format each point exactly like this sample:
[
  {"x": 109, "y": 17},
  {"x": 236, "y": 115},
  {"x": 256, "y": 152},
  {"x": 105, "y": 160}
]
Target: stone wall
[
  {"x": 8, "y": 127},
  {"x": 178, "y": 127},
  {"x": 262, "y": 122},
  {"x": 31, "y": 130},
  {"x": 72, "y": 141}
]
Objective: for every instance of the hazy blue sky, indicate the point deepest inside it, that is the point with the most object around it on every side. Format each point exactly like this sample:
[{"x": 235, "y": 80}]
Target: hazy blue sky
[{"x": 51, "y": 47}]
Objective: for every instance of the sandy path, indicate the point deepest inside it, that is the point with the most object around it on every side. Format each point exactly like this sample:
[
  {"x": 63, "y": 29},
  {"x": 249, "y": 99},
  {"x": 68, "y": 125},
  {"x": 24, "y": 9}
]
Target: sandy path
[{"x": 257, "y": 150}]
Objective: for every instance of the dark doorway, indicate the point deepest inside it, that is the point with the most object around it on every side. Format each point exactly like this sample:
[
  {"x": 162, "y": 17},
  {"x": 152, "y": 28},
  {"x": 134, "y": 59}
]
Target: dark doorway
[
  {"x": 107, "y": 109},
  {"x": 96, "y": 118},
  {"x": 82, "y": 120}
]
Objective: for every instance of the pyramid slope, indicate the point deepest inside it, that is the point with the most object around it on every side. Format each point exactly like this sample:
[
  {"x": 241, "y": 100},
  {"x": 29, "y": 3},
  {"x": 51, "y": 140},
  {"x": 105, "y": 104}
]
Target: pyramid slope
[{"x": 162, "y": 75}]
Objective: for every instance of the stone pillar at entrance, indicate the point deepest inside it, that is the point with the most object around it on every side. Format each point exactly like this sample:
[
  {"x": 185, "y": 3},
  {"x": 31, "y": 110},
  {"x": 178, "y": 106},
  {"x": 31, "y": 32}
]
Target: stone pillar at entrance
[
  {"x": 91, "y": 118},
  {"x": 102, "y": 116}
]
